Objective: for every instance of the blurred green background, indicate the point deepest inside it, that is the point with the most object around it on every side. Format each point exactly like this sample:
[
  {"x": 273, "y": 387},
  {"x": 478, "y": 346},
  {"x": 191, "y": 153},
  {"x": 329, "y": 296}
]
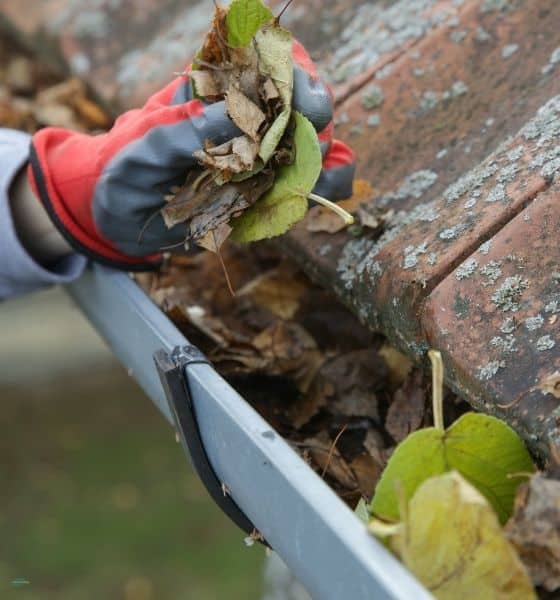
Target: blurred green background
[{"x": 96, "y": 498}]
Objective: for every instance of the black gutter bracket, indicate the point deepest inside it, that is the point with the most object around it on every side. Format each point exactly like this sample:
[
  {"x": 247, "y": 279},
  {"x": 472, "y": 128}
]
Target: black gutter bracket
[{"x": 173, "y": 373}]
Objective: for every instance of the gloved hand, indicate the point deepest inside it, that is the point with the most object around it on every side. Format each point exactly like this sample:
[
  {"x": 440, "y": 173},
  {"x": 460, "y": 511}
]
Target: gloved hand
[{"x": 100, "y": 191}]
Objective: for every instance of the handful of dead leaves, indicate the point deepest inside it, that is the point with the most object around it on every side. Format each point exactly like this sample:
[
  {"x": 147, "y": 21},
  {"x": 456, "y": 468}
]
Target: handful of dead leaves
[{"x": 257, "y": 185}]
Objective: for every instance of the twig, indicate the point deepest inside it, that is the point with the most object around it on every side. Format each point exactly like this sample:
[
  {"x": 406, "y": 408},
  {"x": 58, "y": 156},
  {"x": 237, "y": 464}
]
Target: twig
[
  {"x": 331, "y": 451},
  {"x": 437, "y": 388}
]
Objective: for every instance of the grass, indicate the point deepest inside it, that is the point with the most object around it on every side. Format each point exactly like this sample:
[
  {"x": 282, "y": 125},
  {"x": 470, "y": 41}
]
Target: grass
[{"x": 98, "y": 501}]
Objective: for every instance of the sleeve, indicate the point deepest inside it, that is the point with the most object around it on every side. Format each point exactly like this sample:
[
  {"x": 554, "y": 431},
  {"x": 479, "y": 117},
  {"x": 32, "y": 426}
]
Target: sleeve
[{"x": 19, "y": 273}]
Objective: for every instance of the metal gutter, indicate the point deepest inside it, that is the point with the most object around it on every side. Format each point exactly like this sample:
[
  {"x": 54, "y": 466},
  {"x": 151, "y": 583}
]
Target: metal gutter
[{"x": 315, "y": 533}]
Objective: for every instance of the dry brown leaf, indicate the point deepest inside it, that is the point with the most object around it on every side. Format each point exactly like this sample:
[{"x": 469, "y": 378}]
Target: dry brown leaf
[
  {"x": 91, "y": 113},
  {"x": 227, "y": 200},
  {"x": 19, "y": 75},
  {"x": 270, "y": 91},
  {"x": 246, "y": 150},
  {"x": 213, "y": 49},
  {"x": 184, "y": 204},
  {"x": 209, "y": 205},
  {"x": 375, "y": 446},
  {"x": 56, "y": 115},
  {"x": 245, "y": 71},
  {"x": 320, "y": 219},
  {"x": 367, "y": 472},
  {"x": 211, "y": 326},
  {"x": 362, "y": 192},
  {"x": 406, "y": 412},
  {"x": 214, "y": 240},
  {"x": 399, "y": 365},
  {"x": 206, "y": 84},
  {"x": 534, "y": 530},
  {"x": 551, "y": 385},
  {"x": 250, "y": 363},
  {"x": 323, "y": 454},
  {"x": 11, "y": 117},
  {"x": 368, "y": 220},
  {"x": 244, "y": 113},
  {"x": 309, "y": 405},
  {"x": 235, "y": 156},
  {"x": 279, "y": 291},
  {"x": 355, "y": 378},
  {"x": 290, "y": 349},
  {"x": 62, "y": 93}
]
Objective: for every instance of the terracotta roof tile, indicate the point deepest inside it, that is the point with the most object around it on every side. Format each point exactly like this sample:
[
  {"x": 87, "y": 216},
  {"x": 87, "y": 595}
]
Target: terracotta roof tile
[{"x": 438, "y": 98}]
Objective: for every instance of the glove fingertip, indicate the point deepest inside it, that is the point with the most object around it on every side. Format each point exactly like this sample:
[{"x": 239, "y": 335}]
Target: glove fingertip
[
  {"x": 302, "y": 59},
  {"x": 340, "y": 155}
]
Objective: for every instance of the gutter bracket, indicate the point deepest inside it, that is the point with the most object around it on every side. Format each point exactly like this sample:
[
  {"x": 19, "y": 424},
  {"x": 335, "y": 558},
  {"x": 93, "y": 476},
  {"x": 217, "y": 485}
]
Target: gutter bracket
[{"x": 173, "y": 373}]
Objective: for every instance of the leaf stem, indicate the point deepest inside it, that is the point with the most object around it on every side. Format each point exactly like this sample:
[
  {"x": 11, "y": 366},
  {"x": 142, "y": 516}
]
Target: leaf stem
[
  {"x": 384, "y": 530},
  {"x": 437, "y": 388},
  {"x": 344, "y": 215},
  {"x": 277, "y": 19}
]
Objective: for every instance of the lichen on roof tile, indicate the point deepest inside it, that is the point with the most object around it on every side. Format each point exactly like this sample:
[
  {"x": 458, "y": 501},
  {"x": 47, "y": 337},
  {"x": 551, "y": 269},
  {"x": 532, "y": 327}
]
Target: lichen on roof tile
[
  {"x": 414, "y": 186},
  {"x": 372, "y": 97},
  {"x": 492, "y": 271},
  {"x": 507, "y": 297},
  {"x": 489, "y": 370},
  {"x": 466, "y": 269},
  {"x": 508, "y": 325},
  {"x": 545, "y": 343},
  {"x": 506, "y": 345},
  {"x": 534, "y": 323},
  {"x": 509, "y": 50}
]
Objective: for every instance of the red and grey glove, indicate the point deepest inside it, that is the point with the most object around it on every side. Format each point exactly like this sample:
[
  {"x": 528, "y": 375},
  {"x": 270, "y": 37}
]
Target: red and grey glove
[{"x": 101, "y": 191}]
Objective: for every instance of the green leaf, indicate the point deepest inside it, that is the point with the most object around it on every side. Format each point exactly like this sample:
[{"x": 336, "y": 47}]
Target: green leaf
[
  {"x": 488, "y": 453},
  {"x": 244, "y": 19},
  {"x": 274, "y": 45},
  {"x": 269, "y": 218},
  {"x": 362, "y": 511},
  {"x": 273, "y": 136},
  {"x": 452, "y": 541},
  {"x": 286, "y": 203}
]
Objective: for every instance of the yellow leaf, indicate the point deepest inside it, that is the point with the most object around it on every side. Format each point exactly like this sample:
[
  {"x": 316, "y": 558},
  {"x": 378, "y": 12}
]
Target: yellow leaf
[{"x": 453, "y": 543}]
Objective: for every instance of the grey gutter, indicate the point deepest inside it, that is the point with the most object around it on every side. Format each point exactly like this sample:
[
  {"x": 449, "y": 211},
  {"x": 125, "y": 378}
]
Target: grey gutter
[{"x": 315, "y": 533}]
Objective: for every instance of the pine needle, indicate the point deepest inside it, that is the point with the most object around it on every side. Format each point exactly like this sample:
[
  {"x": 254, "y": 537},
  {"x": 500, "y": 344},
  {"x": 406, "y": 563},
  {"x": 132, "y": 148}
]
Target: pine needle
[
  {"x": 331, "y": 451},
  {"x": 224, "y": 269}
]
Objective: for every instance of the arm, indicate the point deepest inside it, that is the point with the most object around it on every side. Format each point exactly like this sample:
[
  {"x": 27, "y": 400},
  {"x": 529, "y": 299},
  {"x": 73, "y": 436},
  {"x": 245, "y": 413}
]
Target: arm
[
  {"x": 99, "y": 196},
  {"x": 20, "y": 270},
  {"x": 35, "y": 230}
]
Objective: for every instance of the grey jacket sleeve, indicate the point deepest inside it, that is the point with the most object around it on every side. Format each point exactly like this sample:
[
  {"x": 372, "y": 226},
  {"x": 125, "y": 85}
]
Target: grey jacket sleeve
[{"x": 19, "y": 273}]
